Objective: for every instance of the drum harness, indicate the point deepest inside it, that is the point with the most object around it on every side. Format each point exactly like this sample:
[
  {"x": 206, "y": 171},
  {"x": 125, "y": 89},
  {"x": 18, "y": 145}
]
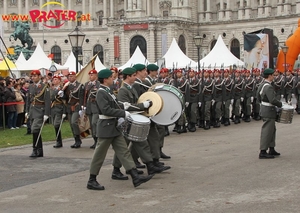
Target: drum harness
[{"x": 261, "y": 91}]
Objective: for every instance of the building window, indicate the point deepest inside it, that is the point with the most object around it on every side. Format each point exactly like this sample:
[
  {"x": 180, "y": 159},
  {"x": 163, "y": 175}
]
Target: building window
[
  {"x": 235, "y": 48},
  {"x": 35, "y": 25},
  {"x": 35, "y": 2},
  {"x": 275, "y": 46},
  {"x": 100, "y": 20},
  {"x": 181, "y": 44},
  {"x": 138, "y": 41},
  {"x": 57, "y": 23},
  {"x": 98, "y": 49},
  {"x": 213, "y": 43},
  {"x": 165, "y": 13},
  {"x": 56, "y": 51}
]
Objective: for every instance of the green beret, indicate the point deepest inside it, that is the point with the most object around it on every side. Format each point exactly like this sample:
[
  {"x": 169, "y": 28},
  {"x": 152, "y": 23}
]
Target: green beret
[
  {"x": 268, "y": 71},
  {"x": 105, "y": 73},
  {"x": 139, "y": 67},
  {"x": 129, "y": 71},
  {"x": 152, "y": 67}
]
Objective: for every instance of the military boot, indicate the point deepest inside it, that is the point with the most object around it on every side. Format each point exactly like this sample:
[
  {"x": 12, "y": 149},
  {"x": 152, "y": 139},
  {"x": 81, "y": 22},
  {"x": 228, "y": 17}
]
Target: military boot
[
  {"x": 264, "y": 155},
  {"x": 77, "y": 143},
  {"x": 207, "y": 125},
  {"x": 137, "y": 179},
  {"x": 273, "y": 152},
  {"x": 201, "y": 124},
  {"x": 160, "y": 165},
  {"x": 58, "y": 140},
  {"x": 34, "y": 150},
  {"x": 118, "y": 175},
  {"x": 217, "y": 123},
  {"x": 39, "y": 146},
  {"x": 163, "y": 155},
  {"x": 152, "y": 169},
  {"x": 93, "y": 183},
  {"x": 175, "y": 127},
  {"x": 95, "y": 143},
  {"x": 192, "y": 127},
  {"x": 237, "y": 120},
  {"x": 226, "y": 122},
  {"x": 247, "y": 118}
]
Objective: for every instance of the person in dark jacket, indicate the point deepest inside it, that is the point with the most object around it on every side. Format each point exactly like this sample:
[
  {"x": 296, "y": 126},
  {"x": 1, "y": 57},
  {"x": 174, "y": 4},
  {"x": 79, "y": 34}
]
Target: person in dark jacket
[{"x": 10, "y": 109}]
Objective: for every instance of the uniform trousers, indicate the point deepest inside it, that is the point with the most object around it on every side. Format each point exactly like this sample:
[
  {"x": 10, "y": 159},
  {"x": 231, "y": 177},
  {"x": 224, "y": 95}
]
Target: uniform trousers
[
  {"x": 120, "y": 147},
  {"x": 73, "y": 119},
  {"x": 227, "y": 108},
  {"x": 248, "y": 106},
  {"x": 237, "y": 107},
  {"x": 207, "y": 105},
  {"x": 153, "y": 141},
  {"x": 268, "y": 134},
  {"x": 93, "y": 123},
  {"x": 193, "y": 113}
]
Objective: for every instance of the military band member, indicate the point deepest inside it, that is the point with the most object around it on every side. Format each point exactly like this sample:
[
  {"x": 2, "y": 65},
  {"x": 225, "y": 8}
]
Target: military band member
[
  {"x": 227, "y": 96},
  {"x": 38, "y": 110},
  {"x": 150, "y": 80},
  {"x": 194, "y": 102},
  {"x": 269, "y": 102},
  {"x": 238, "y": 96},
  {"x": 90, "y": 89},
  {"x": 206, "y": 97},
  {"x": 218, "y": 98},
  {"x": 58, "y": 108},
  {"x": 256, "y": 106},
  {"x": 127, "y": 94},
  {"x": 288, "y": 86},
  {"x": 108, "y": 134},
  {"x": 248, "y": 95},
  {"x": 75, "y": 93}
]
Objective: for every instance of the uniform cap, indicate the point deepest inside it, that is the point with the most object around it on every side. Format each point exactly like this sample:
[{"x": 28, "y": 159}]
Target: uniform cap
[
  {"x": 105, "y": 73},
  {"x": 56, "y": 76},
  {"x": 139, "y": 67},
  {"x": 268, "y": 71},
  {"x": 115, "y": 69},
  {"x": 35, "y": 72},
  {"x": 93, "y": 71},
  {"x": 129, "y": 71},
  {"x": 72, "y": 73},
  {"x": 152, "y": 67},
  {"x": 165, "y": 70}
]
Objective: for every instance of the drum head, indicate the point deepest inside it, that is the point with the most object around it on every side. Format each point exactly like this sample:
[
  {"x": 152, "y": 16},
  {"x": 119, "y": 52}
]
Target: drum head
[
  {"x": 157, "y": 103},
  {"x": 139, "y": 118},
  {"x": 171, "y": 109}
]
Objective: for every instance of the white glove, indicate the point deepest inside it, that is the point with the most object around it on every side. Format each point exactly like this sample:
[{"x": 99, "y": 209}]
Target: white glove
[
  {"x": 60, "y": 93},
  {"x": 281, "y": 96},
  {"x": 83, "y": 108},
  {"x": 293, "y": 95},
  {"x": 146, "y": 104},
  {"x": 46, "y": 117},
  {"x": 63, "y": 116},
  {"x": 26, "y": 115},
  {"x": 242, "y": 99},
  {"x": 290, "y": 103},
  {"x": 127, "y": 114},
  {"x": 81, "y": 113},
  {"x": 120, "y": 121},
  {"x": 186, "y": 104},
  {"x": 251, "y": 99},
  {"x": 126, "y": 105},
  {"x": 199, "y": 104},
  {"x": 213, "y": 101},
  {"x": 231, "y": 101}
]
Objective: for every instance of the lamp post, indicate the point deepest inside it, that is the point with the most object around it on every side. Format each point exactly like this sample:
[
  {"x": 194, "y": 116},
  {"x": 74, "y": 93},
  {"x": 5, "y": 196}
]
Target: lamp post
[
  {"x": 76, "y": 38},
  {"x": 198, "y": 41},
  {"x": 284, "y": 50}
]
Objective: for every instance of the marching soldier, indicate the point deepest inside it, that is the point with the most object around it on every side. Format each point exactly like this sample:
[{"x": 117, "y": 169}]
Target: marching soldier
[
  {"x": 58, "y": 108},
  {"x": 248, "y": 95},
  {"x": 182, "y": 84},
  {"x": 256, "y": 106},
  {"x": 38, "y": 110},
  {"x": 75, "y": 93},
  {"x": 227, "y": 96},
  {"x": 289, "y": 85},
  {"x": 297, "y": 91},
  {"x": 218, "y": 98},
  {"x": 194, "y": 102},
  {"x": 238, "y": 96},
  {"x": 206, "y": 97},
  {"x": 108, "y": 134},
  {"x": 90, "y": 89},
  {"x": 278, "y": 84}
]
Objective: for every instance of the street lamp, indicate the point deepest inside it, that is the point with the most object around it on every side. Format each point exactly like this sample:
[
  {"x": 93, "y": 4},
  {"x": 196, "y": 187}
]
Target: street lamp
[
  {"x": 76, "y": 38},
  {"x": 198, "y": 42},
  {"x": 284, "y": 50}
]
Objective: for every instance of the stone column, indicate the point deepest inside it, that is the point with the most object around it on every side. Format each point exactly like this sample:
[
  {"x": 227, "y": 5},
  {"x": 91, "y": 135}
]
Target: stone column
[
  {"x": 111, "y": 9},
  {"x": 26, "y": 7},
  {"x": 19, "y": 7},
  {"x": 91, "y": 22},
  {"x": 298, "y": 7},
  {"x": 201, "y": 10},
  {"x": 129, "y": 4},
  {"x": 208, "y": 12},
  {"x": 151, "y": 45},
  {"x": 248, "y": 10},
  {"x": 5, "y": 23},
  {"x": 83, "y": 23},
  {"x": 105, "y": 12},
  {"x": 228, "y": 12}
]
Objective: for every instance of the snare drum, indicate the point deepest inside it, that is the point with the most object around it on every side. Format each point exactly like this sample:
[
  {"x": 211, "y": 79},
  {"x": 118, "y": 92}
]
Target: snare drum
[
  {"x": 285, "y": 116},
  {"x": 136, "y": 127},
  {"x": 173, "y": 104}
]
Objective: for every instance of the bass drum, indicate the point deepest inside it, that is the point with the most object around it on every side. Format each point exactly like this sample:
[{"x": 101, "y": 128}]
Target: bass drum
[{"x": 173, "y": 103}]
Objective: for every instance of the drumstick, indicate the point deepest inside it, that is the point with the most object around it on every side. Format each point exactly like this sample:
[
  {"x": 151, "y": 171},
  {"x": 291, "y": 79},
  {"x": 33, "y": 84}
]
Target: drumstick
[
  {"x": 130, "y": 105},
  {"x": 136, "y": 112},
  {"x": 142, "y": 84}
]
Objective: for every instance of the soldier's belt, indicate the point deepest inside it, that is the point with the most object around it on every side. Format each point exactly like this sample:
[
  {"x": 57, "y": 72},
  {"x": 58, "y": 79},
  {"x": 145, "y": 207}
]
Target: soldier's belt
[
  {"x": 207, "y": 93},
  {"x": 57, "y": 103},
  {"x": 266, "y": 104},
  {"x": 105, "y": 117},
  {"x": 35, "y": 103},
  {"x": 92, "y": 99}
]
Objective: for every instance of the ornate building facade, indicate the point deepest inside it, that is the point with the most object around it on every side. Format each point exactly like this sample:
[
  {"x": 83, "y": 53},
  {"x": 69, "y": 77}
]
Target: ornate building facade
[{"x": 116, "y": 27}]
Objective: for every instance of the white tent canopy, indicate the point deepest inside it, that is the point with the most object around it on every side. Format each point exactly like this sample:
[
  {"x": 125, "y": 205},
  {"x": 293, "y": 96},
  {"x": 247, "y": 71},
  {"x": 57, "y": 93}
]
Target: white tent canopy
[
  {"x": 137, "y": 58},
  {"x": 98, "y": 64},
  {"x": 220, "y": 56},
  {"x": 39, "y": 60},
  {"x": 175, "y": 58},
  {"x": 71, "y": 63}
]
